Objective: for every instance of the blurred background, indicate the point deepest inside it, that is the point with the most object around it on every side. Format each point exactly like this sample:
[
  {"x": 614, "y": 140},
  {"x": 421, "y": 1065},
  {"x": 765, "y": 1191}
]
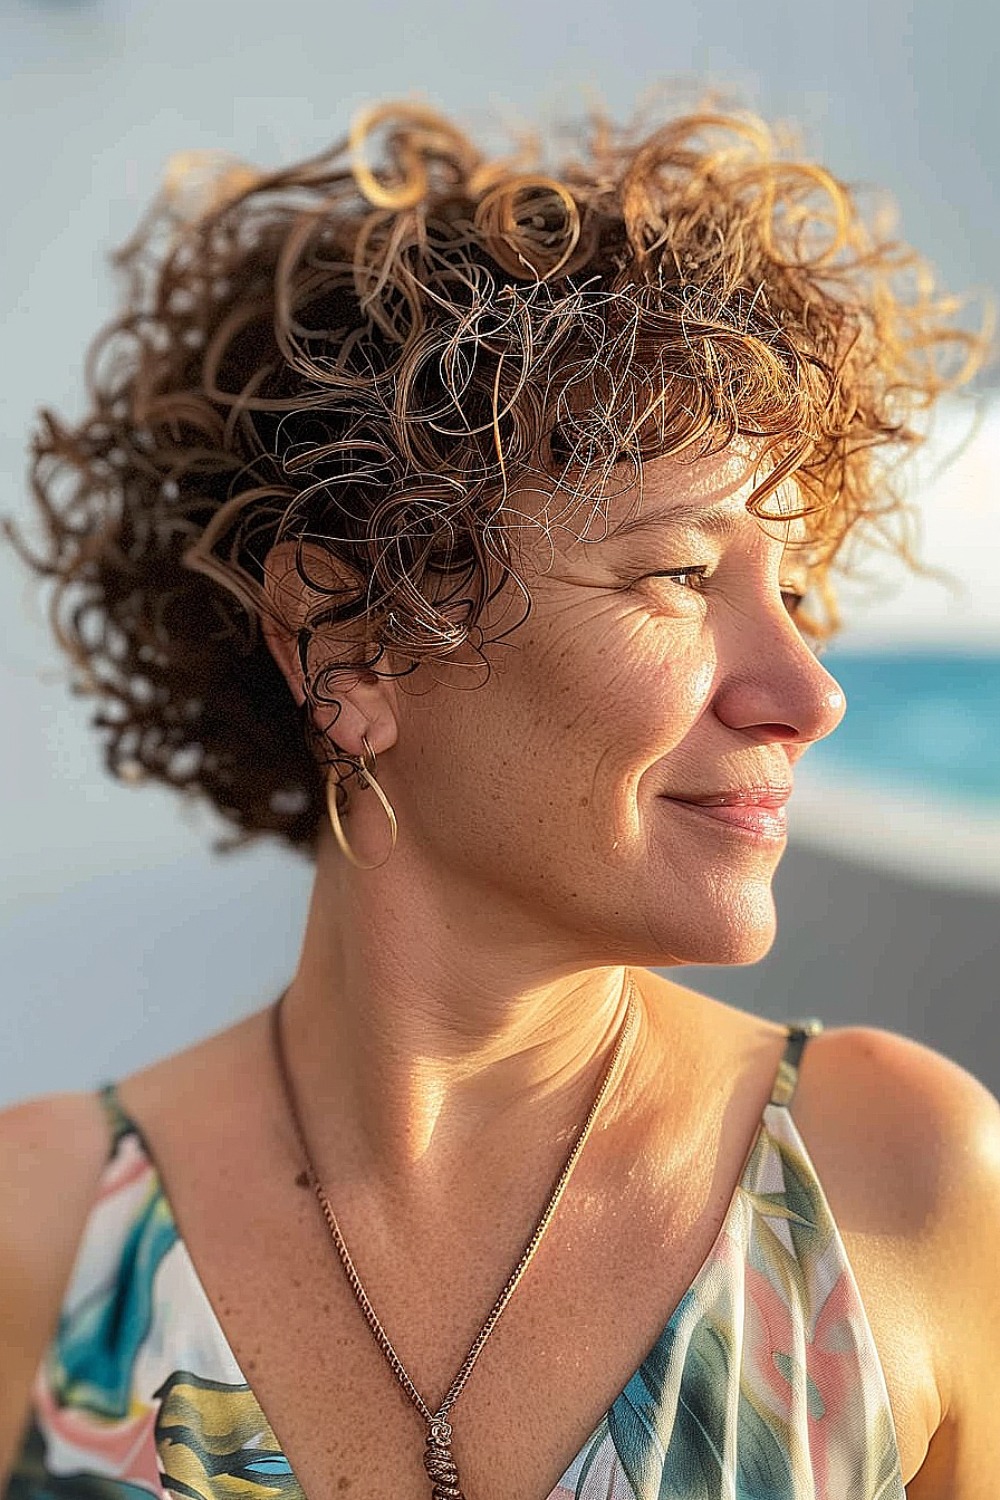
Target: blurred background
[{"x": 122, "y": 937}]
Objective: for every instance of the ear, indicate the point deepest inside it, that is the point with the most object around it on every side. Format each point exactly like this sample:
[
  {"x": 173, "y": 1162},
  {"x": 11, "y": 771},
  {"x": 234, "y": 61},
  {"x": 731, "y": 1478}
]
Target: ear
[{"x": 368, "y": 703}]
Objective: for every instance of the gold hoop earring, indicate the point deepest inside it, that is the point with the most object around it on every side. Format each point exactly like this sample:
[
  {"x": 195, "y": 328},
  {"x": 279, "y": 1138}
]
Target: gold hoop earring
[{"x": 365, "y": 766}]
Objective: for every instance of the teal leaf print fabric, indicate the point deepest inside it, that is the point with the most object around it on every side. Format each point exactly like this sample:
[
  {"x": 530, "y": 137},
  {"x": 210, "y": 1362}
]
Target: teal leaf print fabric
[
  {"x": 95, "y": 1347},
  {"x": 764, "y": 1385}
]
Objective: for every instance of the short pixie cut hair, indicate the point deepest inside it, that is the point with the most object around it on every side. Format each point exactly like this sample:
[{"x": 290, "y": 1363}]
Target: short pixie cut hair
[{"x": 368, "y": 360}]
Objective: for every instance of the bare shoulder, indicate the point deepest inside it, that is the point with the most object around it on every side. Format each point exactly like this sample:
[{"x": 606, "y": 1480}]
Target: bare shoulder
[
  {"x": 937, "y": 1124},
  {"x": 910, "y": 1140},
  {"x": 52, "y": 1150},
  {"x": 906, "y": 1144}
]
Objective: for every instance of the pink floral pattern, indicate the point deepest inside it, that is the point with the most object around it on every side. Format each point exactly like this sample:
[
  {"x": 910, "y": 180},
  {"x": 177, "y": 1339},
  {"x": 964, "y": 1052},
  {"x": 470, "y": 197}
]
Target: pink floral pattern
[{"x": 764, "y": 1385}]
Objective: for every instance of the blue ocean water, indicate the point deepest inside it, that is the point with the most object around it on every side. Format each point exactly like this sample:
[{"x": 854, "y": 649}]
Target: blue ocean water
[{"x": 920, "y": 720}]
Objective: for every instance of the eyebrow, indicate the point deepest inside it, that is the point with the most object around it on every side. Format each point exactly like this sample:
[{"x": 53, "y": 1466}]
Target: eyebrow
[{"x": 716, "y": 522}]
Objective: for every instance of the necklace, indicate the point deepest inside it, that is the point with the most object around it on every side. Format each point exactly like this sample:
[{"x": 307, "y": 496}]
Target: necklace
[{"x": 438, "y": 1460}]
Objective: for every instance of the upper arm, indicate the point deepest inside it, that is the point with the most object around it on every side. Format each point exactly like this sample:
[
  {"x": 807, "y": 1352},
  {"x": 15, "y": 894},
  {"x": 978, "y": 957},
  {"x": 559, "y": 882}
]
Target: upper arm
[
  {"x": 954, "y": 1132},
  {"x": 52, "y": 1150},
  {"x": 966, "y": 1268}
]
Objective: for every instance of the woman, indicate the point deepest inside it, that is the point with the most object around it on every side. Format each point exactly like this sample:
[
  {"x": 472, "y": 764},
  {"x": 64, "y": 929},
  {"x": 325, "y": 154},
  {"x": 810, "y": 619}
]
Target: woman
[{"x": 515, "y": 481}]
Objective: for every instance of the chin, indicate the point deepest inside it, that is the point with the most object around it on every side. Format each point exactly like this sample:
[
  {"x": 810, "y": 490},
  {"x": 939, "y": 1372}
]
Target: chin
[
  {"x": 732, "y": 956},
  {"x": 741, "y": 936}
]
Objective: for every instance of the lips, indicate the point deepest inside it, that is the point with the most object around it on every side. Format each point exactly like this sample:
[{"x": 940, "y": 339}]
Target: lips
[
  {"x": 760, "y": 820},
  {"x": 771, "y": 795}
]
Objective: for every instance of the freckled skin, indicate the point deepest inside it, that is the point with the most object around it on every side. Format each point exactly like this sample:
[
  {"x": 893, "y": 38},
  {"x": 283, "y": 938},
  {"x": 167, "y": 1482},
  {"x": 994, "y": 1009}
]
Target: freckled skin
[
  {"x": 544, "y": 783},
  {"x": 477, "y": 970}
]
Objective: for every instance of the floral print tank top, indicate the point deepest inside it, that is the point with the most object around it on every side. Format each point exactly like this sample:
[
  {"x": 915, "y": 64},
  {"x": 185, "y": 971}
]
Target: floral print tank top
[{"x": 764, "y": 1385}]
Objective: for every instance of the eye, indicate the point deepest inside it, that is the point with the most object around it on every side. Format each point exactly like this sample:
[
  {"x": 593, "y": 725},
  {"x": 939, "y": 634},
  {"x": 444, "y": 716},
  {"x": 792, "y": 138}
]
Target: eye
[
  {"x": 699, "y": 572},
  {"x": 795, "y": 597}
]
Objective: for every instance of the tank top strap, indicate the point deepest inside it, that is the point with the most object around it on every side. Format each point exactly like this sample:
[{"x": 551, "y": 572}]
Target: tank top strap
[
  {"x": 787, "y": 1075},
  {"x": 119, "y": 1122}
]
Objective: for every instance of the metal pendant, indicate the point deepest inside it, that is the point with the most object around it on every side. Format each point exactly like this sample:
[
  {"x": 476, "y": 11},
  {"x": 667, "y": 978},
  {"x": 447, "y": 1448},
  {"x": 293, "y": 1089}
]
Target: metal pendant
[{"x": 439, "y": 1463}]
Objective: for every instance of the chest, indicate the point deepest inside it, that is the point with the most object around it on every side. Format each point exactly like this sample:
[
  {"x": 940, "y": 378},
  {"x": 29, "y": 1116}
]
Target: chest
[
  {"x": 586, "y": 1314},
  {"x": 596, "y": 1299},
  {"x": 543, "y": 1382},
  {"x": 601, "y": 1294}
]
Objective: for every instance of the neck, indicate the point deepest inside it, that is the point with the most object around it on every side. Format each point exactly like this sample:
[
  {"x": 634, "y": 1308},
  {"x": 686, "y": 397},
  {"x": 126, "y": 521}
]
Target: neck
[{"x": 415, "y": 1063}]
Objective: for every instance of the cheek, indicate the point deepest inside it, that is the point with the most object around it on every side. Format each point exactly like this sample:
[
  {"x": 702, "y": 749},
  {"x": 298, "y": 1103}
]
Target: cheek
[
  {"x": 701, "y": 676},
  {"x": 669, "y": 687},
  {"x": 618, "y": 683}
]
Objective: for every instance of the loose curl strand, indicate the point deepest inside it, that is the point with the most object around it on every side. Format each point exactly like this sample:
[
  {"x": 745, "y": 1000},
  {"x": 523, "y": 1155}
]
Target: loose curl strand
[{"x": 374, "y": 359}]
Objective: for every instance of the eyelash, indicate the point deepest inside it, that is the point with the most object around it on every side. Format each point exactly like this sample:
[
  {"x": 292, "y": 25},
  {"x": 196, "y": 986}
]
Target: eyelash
[{"x": 702, "y": 569}]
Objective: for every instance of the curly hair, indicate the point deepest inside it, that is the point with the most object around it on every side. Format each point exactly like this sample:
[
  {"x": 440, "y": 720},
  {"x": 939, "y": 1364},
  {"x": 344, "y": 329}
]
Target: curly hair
[{"x": 369, "y": 361}]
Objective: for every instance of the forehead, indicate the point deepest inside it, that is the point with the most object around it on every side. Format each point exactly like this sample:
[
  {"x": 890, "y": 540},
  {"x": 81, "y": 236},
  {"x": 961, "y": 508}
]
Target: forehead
[{"x": 707, "y": 495}]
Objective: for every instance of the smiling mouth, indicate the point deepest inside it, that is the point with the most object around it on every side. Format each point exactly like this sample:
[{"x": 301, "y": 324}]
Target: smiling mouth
[{"x": 760, "y": 822}]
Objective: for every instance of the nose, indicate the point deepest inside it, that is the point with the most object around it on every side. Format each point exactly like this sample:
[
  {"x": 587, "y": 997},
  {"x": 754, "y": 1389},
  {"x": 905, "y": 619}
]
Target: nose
[{"x": 774, "y": 687}]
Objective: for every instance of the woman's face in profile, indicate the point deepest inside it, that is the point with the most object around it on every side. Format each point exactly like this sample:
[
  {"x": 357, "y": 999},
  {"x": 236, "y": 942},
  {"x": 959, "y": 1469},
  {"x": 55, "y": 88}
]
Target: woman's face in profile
[{"x": 547, "y": 783}]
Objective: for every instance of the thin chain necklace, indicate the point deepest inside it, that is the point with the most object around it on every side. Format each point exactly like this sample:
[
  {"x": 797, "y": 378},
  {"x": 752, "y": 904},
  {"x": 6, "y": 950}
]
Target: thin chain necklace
[{"x": 438, "y": 1460}]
